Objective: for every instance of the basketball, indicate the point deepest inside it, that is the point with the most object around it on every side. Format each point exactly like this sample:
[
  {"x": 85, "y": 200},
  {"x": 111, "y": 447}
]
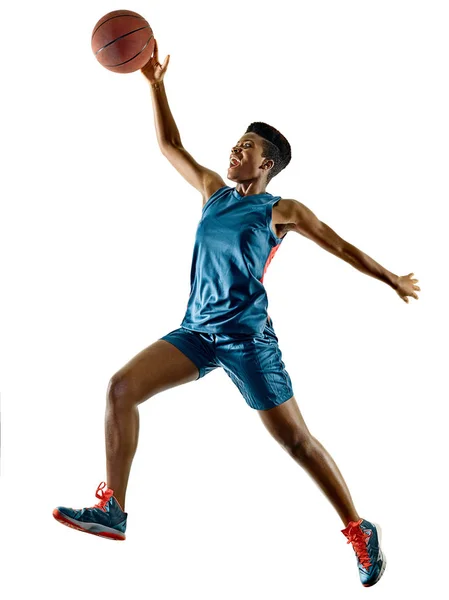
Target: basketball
[{"x": 122, "y": 41}]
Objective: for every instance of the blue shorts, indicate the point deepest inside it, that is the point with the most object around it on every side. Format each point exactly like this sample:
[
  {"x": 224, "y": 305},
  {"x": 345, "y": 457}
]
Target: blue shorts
[{"x": 253, "y": 362}]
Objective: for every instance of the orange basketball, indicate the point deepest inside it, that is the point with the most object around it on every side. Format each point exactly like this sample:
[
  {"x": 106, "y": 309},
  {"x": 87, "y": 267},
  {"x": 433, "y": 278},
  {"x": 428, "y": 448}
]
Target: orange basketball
[{"x": 122, "y": 41}]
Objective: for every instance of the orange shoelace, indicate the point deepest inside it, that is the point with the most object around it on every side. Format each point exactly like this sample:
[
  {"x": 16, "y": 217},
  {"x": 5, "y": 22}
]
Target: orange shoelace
[
  {"x": 104, "y": 495},
  {"x": 359, "y": 539}
]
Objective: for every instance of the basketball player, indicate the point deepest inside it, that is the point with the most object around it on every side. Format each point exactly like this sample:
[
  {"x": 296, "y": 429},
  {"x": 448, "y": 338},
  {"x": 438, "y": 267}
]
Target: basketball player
[{"x": 226, "y": 323}]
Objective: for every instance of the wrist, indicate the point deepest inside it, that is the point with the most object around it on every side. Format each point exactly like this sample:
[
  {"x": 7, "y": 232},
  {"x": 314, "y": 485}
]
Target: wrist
[
  {"x": 156, "y": 85},
  {"x": 392, "y": 280}
]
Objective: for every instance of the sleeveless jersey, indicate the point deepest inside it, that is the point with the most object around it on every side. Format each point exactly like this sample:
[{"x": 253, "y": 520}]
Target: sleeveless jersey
[{"x": 234, "y": 245}]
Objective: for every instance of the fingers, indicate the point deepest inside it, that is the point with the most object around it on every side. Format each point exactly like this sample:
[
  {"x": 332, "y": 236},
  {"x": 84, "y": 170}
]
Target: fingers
[
  {"x": 166, "y": 61},
  {"x": 406, "y": 290},
  {"x": 155, "y": 50},
  {"x": 146, "y": 65},
  {"x": 405, "y": 298}
]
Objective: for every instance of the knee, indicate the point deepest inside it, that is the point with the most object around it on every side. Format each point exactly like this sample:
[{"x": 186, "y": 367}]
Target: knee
[
  {"x": 119, "y": 393},
  {"x": 301, "y": 447}
]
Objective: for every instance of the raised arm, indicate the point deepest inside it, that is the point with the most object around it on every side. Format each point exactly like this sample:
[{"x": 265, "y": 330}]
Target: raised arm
[
  {"x": 204, "y": 180},
  {"x": 303, "y": 221}
]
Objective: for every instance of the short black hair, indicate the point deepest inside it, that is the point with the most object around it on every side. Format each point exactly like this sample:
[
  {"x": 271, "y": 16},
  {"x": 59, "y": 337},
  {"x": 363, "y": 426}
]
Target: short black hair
[{"x": 275, "y": 146}]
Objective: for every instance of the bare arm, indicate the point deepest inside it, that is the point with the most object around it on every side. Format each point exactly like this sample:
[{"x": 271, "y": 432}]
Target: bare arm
[
  {"x": 204, "y": 180},
  {"x": 166, "y": 129},
  {"x": 307, "y": 224}
]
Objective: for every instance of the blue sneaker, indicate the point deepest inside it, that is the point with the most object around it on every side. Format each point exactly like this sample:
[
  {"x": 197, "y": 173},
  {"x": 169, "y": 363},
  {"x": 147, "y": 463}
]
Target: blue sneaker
[
  {"x": 105, "y": 519},
  {"x": 365, "y": 539}
]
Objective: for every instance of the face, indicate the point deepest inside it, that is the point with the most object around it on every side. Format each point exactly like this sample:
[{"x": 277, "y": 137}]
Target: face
[{"x": 246, "y": 161}]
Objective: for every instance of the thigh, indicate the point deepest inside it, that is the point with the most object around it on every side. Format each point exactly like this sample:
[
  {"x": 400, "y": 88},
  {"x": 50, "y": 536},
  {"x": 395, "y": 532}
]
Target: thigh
[
  {"x": 157, "y": 368},
  {"x": 256, "y": 367},
  {"x": 199, "y": 347}
]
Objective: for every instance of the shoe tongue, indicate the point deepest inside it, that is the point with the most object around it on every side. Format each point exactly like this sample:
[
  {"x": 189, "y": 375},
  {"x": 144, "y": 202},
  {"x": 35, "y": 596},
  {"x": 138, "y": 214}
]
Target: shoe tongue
[
  {"x": 351, "y": 526},
  {"x": 104, "y": 496},
  {"x": 105, "y": 501}
]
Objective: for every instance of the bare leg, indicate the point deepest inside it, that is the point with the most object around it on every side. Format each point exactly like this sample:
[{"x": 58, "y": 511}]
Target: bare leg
[
  {"x": 159, "y": 367},
  {"x": 286, "y": 425}
]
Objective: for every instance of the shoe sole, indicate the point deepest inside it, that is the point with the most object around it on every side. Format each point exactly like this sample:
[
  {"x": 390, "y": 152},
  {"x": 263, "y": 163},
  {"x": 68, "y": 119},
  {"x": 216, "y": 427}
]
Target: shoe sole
[
  {"x": 384, "y": 558},
  {"x": 101, "y": 530}
]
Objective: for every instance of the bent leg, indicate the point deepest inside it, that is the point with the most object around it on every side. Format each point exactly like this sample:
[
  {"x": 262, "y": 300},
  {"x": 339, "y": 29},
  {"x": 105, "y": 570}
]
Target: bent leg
[
  {"x": 286, "y": 425},
  {"x": 159, "y": 367}
]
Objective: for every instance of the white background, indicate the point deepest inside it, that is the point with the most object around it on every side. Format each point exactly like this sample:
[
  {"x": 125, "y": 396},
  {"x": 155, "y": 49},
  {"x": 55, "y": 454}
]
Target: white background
[{"x": 97, "y": 233}]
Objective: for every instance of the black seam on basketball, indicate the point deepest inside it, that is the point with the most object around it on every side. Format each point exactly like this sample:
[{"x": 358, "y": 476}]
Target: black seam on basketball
[
  {"x": 116, "y": 17},
  {"x": 121, "y": 37},
  {"x": 132, "y": 58}
]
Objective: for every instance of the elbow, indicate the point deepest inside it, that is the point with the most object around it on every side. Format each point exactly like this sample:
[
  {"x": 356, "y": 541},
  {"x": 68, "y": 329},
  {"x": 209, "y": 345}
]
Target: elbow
[
  {"x": 342, "y": 248},
  {"x": 331, "y": 241},
  {"x": 167, "y": 147},
  {"x": 346, "y": 251}
]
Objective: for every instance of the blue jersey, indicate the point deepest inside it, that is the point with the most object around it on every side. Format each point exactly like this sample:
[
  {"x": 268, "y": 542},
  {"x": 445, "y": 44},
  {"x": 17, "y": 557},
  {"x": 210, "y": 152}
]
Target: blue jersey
[{"x": 234, "y": 245}]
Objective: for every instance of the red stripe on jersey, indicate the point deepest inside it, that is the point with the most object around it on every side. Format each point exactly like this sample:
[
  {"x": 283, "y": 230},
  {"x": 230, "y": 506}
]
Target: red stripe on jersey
[{"x": 269, "y": 259}]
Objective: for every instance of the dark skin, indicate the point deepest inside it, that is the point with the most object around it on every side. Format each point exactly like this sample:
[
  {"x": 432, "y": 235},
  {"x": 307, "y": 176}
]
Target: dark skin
[
  {"x": 162, "y": 366},
  {"x": 291, "y": 215}
]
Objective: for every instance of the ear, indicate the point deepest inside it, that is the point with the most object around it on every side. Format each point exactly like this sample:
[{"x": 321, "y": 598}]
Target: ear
[{"x": 267, "y": 165}]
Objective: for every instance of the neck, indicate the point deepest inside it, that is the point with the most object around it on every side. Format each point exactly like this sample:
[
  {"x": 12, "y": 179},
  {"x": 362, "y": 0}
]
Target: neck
[{"x": 253, "y": 187}]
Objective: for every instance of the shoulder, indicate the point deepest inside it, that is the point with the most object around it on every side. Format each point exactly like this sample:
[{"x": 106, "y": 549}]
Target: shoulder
[
  {"x": 285, "y": 209},
  {"x": 213, "y": 182}
]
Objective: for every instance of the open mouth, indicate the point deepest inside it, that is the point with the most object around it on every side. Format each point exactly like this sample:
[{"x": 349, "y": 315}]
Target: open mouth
[{"x": 234, "y": 162}]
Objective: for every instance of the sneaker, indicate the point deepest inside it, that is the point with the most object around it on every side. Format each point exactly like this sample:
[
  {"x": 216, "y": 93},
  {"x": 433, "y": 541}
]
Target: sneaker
[
  {"x": 105, "y": 519},
  {"x": 365, "y": 539}
]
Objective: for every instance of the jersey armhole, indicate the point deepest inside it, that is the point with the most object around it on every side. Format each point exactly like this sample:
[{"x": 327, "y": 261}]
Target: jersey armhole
[{"x": 270, "y": 205}]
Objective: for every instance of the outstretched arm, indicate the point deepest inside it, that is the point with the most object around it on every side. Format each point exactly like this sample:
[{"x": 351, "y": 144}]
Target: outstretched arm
[
  {"x": 307, "y": 224},
  {"x": 203, "y": 179}
]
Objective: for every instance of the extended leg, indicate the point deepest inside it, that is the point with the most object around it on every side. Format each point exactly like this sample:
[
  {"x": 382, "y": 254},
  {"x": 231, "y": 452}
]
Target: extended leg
[
  {"x": 286, "y": 425},
  {"x": 157, "y": 368}
]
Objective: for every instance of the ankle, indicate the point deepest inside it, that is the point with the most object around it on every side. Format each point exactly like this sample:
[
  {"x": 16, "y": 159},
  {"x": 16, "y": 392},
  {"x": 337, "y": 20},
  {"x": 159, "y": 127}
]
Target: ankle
[
  {"x": 120, "y": 501},
  {"x": 353, "y": 519}
]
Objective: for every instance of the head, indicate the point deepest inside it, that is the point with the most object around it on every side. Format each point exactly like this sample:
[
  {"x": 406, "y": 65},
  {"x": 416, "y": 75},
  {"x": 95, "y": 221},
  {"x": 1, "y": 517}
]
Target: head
[{"x": 262, "y": 153}]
